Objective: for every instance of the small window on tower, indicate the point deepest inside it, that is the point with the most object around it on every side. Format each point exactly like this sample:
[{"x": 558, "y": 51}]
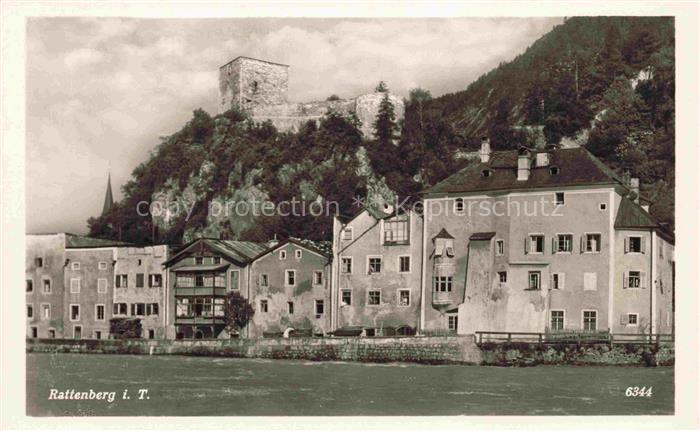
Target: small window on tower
[{"x": 255, "y": 86}]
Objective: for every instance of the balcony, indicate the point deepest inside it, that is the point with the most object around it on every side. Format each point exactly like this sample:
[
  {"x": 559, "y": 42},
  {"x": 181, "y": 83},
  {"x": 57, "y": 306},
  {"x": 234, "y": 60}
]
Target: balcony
[
  {"x": 195, "y": 320},
  {"x": 442, "y": 298},
  {"x": 200, "y": 291}
]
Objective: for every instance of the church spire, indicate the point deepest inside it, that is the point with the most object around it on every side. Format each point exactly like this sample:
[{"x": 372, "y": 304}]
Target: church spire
[{"x": 108, "y": 196}]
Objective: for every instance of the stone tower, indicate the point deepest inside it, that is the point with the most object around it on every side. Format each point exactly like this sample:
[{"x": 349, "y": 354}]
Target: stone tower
[{"x": 248, "y": 83}]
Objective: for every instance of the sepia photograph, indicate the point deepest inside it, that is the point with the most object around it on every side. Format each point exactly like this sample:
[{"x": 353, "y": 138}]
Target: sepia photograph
[{"x": 323, "y": 216}]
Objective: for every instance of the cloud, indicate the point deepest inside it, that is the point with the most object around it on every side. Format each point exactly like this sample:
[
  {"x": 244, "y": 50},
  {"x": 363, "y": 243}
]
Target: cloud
[{"x": 82, "y": 57}]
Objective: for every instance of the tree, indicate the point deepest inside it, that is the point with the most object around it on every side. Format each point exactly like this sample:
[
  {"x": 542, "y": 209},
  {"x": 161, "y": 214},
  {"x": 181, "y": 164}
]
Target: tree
[
  {"x": 123, "y": 327},
  {"x": 385, "y": 126},
  {"x": 237, "y": 312},
  {"x": 381, "y": 87},
  {"x": 500, "y": 129}
]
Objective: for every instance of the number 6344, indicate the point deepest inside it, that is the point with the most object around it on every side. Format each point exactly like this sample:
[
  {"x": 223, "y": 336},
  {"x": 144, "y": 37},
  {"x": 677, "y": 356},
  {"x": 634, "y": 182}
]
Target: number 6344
[{"x": 636, "y": 391}]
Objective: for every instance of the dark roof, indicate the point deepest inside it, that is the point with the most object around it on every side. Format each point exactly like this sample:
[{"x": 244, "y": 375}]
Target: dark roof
[
  {"x": 576, "y": 166},
  {"x": 443, "y": 234},
  {"x": 238, "y": 251},
  {"x": 79, "y": 241},
  {"x": 254, "y": 59},
  {"x": 482, "y": 236}
]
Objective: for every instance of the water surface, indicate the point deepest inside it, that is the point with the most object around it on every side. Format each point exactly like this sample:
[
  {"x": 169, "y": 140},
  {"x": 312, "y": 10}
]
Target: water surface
[{"x": 191, "y": 386}]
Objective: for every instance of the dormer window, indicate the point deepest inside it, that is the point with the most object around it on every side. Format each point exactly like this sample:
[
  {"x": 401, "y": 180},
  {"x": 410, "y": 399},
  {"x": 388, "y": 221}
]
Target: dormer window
[
  {"x": 486, "y": 173},
  {"x": 554, "y": 170},
  {"x": 444, "y": 247}
]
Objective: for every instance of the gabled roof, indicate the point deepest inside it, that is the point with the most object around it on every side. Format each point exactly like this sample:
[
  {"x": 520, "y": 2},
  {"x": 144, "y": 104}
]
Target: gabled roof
[
  {"x": 631, "y": 215},
  {"x": 443, "y": 234},
  {"x": 79, "y": 241},
  {"x": 319, "y": 247},
  {"x": 241, "y": 252},
  {"x": 576, "y": 166}
]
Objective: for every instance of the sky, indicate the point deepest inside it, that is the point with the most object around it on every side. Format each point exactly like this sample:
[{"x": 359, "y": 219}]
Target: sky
[{"x": 101, "y": 91}]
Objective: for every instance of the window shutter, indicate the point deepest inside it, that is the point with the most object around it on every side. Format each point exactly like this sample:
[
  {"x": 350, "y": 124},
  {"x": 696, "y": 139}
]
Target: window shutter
[
  {"x": 643, "y": 279},
  {"x": 526, "y": 238},
  {"x": 623, "y": 319},
  {"x": 624, "y": 280},
  {"x": 553, "y": 249},
  {"x": 627, "y": 245},
  {"x": 643, "y": 246},
  {"x": 551, "y": 281},
  {"x": 115, "y": 309},
  {"x": 133, "y": 309},
  {"x": 562, "y": 280}
]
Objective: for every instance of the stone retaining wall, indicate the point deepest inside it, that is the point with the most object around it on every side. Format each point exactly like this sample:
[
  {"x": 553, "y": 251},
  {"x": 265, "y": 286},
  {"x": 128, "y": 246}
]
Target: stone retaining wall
[{"x": 426, "y": 350}]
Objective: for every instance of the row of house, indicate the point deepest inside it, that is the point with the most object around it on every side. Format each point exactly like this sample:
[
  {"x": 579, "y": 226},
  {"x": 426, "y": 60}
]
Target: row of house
[{"x": 519, "y": 241}]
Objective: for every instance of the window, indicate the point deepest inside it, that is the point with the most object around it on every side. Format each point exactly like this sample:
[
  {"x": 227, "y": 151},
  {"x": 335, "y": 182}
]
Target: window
[
  {"x": 558, "y": 280},
  {"x": 75, "y": 266},
  {"x": 459, "y": 205},
  {"x": 198, "y": 280},
  {"x": 297, "y": 254},
  {"x": 590, "y": 281},
  {"x": 155, "y": 280},
  {"x": 374, "y": 264},
  {"x": 318, "y": 278},
  {"x": 283, "y": 254},
  {"x": 74, "y": 285},
  {"x": 74, "y": 312},
  {"x": 346, "y": 234},
  {"x": 263, "y": 305},
  {"x": 35, "y": 332},
  {"x": 198, "y": 260},
  {"x": 534, "y": 244},
  {"x": 218, "y": 307},
  {"x": 346, "y": 297},
  {"x": 396, "y": 232},
  {"x": 151, "y": 334},
  {"x": 556, "y": 320},
  {"x": 319, "y": 308},
  {"x": 592, "y": 243},
  {"x": 442, "y": 284},
  {"x": 52, "y": 333},
  {"x": 563, "y": 243},
  {"x": 590, "y": 320},
  {"x": 346, "y": 265},
  {"x": 290, "y": 307},
  {"x": 533, "y": 280},
  {"x": 139, "y": 262},
  {"x": 405, "y": 264},
  {"x": 217, "y": 260},
  {"x": 30, "y": 311},
  {"x": 39, "y": 262},
  {"x": 46, "y": 311},
  {"x": 101, "y": 285},
  {"x": 100, "y": 312},
  {"x": 290, "y": 277},
  {"x": 152, "y": 309},
  {"x": 139, "y": 280},
  {"x": 633, "y": 280},
  {"x": 486, "y": 173},
  {"x": 235, "y": 280},
  {"x": 559, "y": 198},
  {"x": 183, "y": 307},
  {"x": 29, "y": 287},
  {"x": 138, "y": 309},
  {"x": 452, "y": 322},
  {"x": 500, "y": 247},
  {"x": 47, "y": 286},
  {"x": 102, "y": 265},
  {"x": 632, "y": 319},
  {"x": 404, "y": 297},
  {"x": 121, "y": 281},
  {"x": 255, "y": 86},
  {"x": 374, "y": 297},
  {"x": 603, "y": 206},
  {"x": 119, "y": 309},
  {"x": 554, "y": 170},
  {"x": 77, "y": 332},
  {"x": 503, "y": 277},
  {"x": 634, "y": 244},
  {"x": 264, "y": 282}
]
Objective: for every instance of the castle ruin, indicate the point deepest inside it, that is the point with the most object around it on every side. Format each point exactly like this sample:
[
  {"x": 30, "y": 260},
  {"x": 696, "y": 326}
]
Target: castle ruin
[{"x": 260, "y": 87}]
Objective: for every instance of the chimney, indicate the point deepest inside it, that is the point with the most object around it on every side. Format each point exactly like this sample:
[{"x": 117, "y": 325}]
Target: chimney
[
  {"x": 273, "y": 242},
  {"x": 523, "y": 164},
  {"x": 634, "y": 186},
  {"x": 485, "y": 151}
]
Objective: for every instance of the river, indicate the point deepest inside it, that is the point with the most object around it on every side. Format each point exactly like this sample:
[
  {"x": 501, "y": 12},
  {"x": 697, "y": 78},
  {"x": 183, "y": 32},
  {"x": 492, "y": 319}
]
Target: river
[{"x": 193, "y": 386}]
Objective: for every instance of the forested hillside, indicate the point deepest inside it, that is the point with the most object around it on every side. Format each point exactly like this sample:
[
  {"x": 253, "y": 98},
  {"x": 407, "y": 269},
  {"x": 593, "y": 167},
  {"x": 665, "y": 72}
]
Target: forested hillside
[{"x": 606, "y": 83}]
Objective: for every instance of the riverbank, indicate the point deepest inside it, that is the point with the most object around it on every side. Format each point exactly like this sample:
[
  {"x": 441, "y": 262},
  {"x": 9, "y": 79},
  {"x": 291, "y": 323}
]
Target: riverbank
[{"x": 422, "y": 350}]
